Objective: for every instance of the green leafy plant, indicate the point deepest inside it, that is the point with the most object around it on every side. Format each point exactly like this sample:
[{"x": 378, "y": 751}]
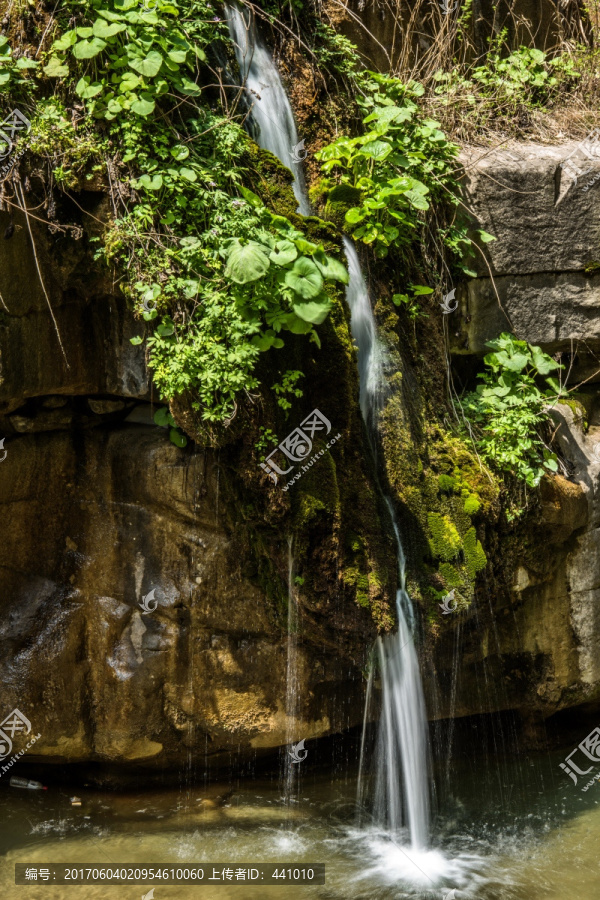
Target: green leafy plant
[
  {"x": 288, "y": 387},
  {"x": 164, "y": 418},
  {"x": 410, "y": 304},
  {"x": 388, "y": 175},
  {"x": 508, "y": 409}
]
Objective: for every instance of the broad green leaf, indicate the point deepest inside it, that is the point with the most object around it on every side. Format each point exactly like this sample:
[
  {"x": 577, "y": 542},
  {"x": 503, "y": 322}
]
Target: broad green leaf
[
  {"x": 355, "y": 215},
  {"x": 178, "y": 56},
  {"x": 377, "y": 150},
  {"x": 161, "y": 417},
  {"x": 297, "y": 325},
  {"x": 188, "y": 87},
  {"x": 24, "y": 63},
  {"x": 542, "y": 362},
  {"x": 284, "y": 253},
  {"x": 419, "y": 290},
  {"x": 55, "y": 68},
  {"x": 150, "y": 66},
  {"x": 143, "y": 106},
  {"x": 305, "y": 279},
  {"x": 315, "y": 311},
  {"x": 84, "y": 89},
  {"x": 136, "y": 340},
  {"x": 246, "y": 263},
  {"x": 153, "y": 183},
  {"x": 332, "y": 269},
  {"x": 166, "y": 328},
  {"x": 484, "y": 237},
  {"x": 88, "y": 49},
  {"x": 177, "y": 438},
  {"x": 180, "y": 152},
  {"x": 188, "y": 174},
  {"x": 102, "y": 29},
  {"x": 252, "y": 198}
]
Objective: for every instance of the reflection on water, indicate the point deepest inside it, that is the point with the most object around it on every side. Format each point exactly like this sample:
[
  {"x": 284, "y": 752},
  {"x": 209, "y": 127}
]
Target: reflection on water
[{"x": 541, "y": 845}]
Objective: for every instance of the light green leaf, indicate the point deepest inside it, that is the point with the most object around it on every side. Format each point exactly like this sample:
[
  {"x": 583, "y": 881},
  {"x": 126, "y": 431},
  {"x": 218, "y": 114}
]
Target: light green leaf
[
  {"x": 284, "y": 253},
  {"x": 66, "y": 41},
  {"x": 188, "y": 174},
  {"x": 136, "y": 340},
  {"x": 55, "y": 68},
  {"x": 305, "y": 279},
  {"x": 180, "y": 152},
  {"x": 542, "y": 361},
  {"x": 332, "y": 269},
  {"x": 24, "y": 63},
  {"x": 314, "y": 312},
  {"x": 88, "y": 49},
  {"x": 84, "y": 89},
  {"x": 484, "y": 237},
  {"x": 153, "y": 183},
  {"x": 188, "y": 87},
  {"x": 252, "y": 198},
  {"x": 102, "y": 29},
  {"x": 246, "y": 263},
  {"x": 377, "y": 150},
  {"x": 150, "y": 66},
  {"x": 143, "y": 106}
]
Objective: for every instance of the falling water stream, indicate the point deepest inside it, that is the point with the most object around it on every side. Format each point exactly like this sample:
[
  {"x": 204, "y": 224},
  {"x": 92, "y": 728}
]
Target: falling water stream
[
  {"x": 401, "y": 795},
  {"x": 271, "y": 108}
]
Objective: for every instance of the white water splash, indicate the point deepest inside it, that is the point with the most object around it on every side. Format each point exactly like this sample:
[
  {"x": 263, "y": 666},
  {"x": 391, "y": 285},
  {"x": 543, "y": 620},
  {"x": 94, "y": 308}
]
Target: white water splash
[{"x": 270, "y": 106}]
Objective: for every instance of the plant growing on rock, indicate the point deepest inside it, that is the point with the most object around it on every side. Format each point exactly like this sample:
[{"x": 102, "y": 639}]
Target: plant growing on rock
[{"x": 508, "y": 410}]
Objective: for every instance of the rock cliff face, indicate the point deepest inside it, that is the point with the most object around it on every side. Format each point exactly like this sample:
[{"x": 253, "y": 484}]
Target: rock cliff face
[
  {"x": 100, "y": 509},
  {"x": 535, "y": 636}
]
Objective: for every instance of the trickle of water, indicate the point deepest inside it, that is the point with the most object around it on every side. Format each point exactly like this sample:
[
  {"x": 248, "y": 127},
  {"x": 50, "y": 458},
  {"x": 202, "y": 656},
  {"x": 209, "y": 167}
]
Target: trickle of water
[
  {"x": 401, "y": 796},
  {"x": 271, "y": 108},
  {"x": 292, "y": 682}
]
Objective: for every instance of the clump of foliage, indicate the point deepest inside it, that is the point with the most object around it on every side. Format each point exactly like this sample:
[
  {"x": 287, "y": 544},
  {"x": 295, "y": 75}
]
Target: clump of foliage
[
  {"x": 504, "y": 83},
  {"x": 216, "y": 275},
  {"x": 507, "y": 411},
  {"x": 387, "y": 177}
]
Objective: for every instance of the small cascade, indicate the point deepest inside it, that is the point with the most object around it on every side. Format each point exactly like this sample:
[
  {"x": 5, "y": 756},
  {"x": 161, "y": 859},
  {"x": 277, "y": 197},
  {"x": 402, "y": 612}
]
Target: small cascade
[
  {"x": 271, "y": 108},
  {"x": 401, "y": 796},
  {"x": 292, "y": 691}
]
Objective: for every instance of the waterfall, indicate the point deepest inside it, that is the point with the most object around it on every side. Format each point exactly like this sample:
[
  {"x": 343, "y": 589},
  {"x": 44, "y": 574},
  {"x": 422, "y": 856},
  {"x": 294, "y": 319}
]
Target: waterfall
[
  {"x": 271, "y": 108},
  {"x": 401, "y": 788},
  {"x": 401, "y": 794}
]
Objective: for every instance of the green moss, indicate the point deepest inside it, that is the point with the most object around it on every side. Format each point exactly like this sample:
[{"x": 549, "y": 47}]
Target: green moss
[
  {"x": 444, "y": 541},
  {"x": 363, "y": 599},
  {"x": 451, "y": 575},
  {"x": 446, "y": 482},
  {"x": 578, "y": 408},
  {"x": 472, "y": 505},
  {"x": 475, "y": 558}
]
